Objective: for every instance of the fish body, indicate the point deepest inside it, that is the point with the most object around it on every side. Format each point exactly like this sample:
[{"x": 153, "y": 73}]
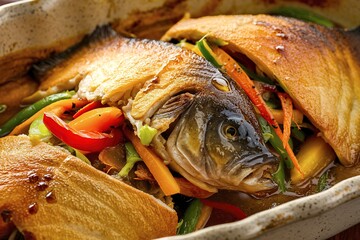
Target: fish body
[
  {"x": 317, "y": 66},
  {"x": 168, "y": 88}
]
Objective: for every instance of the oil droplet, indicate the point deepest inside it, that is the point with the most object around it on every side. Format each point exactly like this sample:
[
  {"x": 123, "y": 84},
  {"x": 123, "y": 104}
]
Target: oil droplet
[
  {"x": 33, "y": 208},
  {"x": 281, "y": 35},
  {"x": 50, "y": 197},
  {"x": 6, "y": 215},
  {"x": 221, "y": 84},
  {"x": 261, "y": 23},
  {"x": 33, "y": 177},
  {"x": 280, "y": 48},
  {"x": 48, "y": 176},
  {"x": 42, "y": 186}
]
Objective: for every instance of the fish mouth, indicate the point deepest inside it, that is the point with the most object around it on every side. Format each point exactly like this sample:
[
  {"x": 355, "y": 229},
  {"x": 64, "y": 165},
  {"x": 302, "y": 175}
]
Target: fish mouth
[{"x": 259, "y": 179}]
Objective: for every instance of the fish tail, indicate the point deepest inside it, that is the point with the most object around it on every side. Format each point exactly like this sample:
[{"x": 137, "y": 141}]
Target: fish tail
[{"x": 39, "y": 69}]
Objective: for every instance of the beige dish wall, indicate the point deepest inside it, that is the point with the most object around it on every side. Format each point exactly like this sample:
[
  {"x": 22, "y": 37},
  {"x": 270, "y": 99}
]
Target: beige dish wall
[{"x": 31, "y": 30}]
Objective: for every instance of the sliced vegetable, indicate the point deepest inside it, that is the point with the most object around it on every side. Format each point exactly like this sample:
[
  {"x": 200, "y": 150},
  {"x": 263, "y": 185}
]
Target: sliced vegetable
[
  {"x": 322, "y": 183},
  {"x": 57, "y": 108},
  {"x": 81, "y": 156},
  {"x": 156, "y": 166},
  {"x": 76, "y": 153},
  {"x": 226, "y": 207},
  {"x": 113, "y": 157},
  {"x": 279, "y": 176},
  {"x": 191, "y": 217},
  {"x": 287, "y": 108},
  {"x": 297, "y": 116},
  {"x": 227, "y": 64},
  {"x": 29, "y": 111},
  {"x": 207, "y": 52},
  {"x": 146, "y": 134},
  {"x": 98, "y": 120},
  {"x": 87, "y": 141},
  {"x": 38, "y": 131},
  {"x": 88, "y": 107},
  {"x": 132, "y": 157},
  {"x": 275, "y": 141},
  {"x": 255, "y": 76},
  {"x": 189, "y": 46},
  {"x": 190, "y": 190},
  {"x": 303, "y": 14},
  {"x": 297, "y": 133},
  {"x": 314, "y": 155}
]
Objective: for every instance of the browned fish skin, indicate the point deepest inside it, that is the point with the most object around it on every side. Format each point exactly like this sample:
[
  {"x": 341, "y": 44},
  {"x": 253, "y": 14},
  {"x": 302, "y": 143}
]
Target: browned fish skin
[
  {"x": 50, "y": 194},
  {"x": 145, "y": 75},
  {"x": 318, "y": 67}
]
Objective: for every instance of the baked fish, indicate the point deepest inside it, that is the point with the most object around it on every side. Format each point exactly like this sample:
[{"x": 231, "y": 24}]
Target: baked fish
[
  {"x": 317, "y": 66},
  {"x": 207, "y": 129},
  {"x": 46, "y": 193}
]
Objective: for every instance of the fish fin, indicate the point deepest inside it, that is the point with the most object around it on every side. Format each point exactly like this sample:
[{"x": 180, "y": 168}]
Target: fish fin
[
  {"x": 41, "y": 68},
  {"x": 170, "y": 111}
]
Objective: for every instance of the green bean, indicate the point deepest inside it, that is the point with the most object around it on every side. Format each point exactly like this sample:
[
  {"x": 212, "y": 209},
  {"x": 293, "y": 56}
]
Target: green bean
[
  {"x": 255, "y": 76},
  {"x": 275, "y": 141},
  {"x": 27, "y": 112},
  {"x": 191, "y": 217},
  {"x": 297, "y": 134},
  {"x": 279, "y": 176}
]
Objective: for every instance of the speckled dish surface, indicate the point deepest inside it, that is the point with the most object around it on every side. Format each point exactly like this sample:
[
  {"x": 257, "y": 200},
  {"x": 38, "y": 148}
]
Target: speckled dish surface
[{"x": 30, "y": 27}]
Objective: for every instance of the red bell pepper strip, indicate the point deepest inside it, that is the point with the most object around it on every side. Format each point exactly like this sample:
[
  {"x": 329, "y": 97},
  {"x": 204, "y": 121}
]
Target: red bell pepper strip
[
  {"x": 88, "y": 141},
  {"x": 190, "y": 190},
  {"x": 226, "y": 207},
  {"x": 88, "y": 107},
  {"x": 98, "y": 120}
]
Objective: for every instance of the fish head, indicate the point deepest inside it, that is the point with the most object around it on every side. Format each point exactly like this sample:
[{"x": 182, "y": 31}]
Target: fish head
[{"x": 217, "y": 141}]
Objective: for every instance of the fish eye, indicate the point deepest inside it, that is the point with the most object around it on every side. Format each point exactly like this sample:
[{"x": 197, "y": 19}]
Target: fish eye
[{"x": 230, "y": 132}]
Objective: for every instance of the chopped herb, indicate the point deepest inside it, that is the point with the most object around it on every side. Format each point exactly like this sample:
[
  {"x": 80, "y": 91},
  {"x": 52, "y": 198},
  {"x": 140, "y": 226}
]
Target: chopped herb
[
  {"x": 131, "y": 158},
  {"x": 322, "y": 183},
  {"x": 146, "y": 134}
]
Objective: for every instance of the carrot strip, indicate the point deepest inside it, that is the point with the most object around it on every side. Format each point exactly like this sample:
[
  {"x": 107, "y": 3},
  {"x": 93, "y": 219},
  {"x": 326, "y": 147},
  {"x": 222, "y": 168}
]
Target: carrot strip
[
  {"x": 158, "y": 169},
  {"x": 287, "y": 107},
  {"x": 57, "y": 108},
  {"x": 234, "y": 70}
]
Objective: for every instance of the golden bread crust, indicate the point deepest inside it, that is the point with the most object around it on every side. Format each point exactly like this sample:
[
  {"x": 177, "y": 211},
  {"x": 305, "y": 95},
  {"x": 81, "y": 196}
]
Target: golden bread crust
[{"x": 49, "y": 194}]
